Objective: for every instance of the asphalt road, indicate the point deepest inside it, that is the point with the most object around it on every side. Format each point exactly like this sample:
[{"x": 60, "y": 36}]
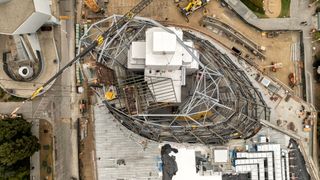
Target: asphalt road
[{"x": 65, "y": 108}]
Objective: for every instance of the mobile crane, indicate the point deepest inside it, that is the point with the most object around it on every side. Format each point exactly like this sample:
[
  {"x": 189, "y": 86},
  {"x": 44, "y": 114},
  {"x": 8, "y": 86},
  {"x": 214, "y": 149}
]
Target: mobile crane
[
  {"x": 105, "y": 36},
  {"x": 193, "y": 6}
]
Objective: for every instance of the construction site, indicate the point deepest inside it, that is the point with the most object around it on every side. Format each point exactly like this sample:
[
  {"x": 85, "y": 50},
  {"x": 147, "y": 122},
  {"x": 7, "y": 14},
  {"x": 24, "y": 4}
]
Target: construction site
[
  {"x": 188, "y": 92},
  {"x": 163, "y": 89}
]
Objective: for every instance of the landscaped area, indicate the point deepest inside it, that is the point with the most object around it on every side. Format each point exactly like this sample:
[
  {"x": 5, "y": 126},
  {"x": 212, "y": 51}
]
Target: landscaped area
[
  {"x": 285, "y": 8},
  {"x": 256, "y": 6},
  {"x": 46, "y": 150}
]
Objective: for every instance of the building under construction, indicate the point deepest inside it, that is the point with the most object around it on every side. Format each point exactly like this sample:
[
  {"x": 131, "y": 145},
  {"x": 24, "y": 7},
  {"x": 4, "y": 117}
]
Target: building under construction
[{"x": 171, "y": 84}]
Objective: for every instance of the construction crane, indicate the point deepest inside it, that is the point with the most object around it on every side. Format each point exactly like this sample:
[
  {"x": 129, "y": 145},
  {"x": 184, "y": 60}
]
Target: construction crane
[
  {"x": 105, "y": 36},
  {"x": 193, "y": 6}
]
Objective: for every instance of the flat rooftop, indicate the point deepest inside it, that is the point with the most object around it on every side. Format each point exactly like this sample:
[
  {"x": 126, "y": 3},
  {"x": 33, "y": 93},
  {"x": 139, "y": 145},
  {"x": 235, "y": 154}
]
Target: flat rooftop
[{"x": 14, "y": 13}]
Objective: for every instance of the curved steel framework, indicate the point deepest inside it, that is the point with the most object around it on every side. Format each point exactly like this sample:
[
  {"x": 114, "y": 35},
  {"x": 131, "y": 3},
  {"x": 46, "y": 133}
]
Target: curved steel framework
[{"x": 219, "y": 101}]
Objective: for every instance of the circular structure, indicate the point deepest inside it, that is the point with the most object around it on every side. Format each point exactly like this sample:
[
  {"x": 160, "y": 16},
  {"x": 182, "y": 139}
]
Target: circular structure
[
  {"x": 172, "y": 85},
  {"x": 25, "y": 72}
]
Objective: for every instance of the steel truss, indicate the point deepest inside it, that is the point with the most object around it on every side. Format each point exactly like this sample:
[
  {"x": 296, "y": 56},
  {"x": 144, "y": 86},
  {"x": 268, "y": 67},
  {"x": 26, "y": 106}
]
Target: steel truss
[{"x": 220, "y": 103}]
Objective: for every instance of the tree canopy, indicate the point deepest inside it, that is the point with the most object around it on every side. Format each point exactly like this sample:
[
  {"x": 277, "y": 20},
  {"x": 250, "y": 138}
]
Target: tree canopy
[
  {"x": 11, "y": 129},
  {"x": 13, "y": 151},
  {"x": 17, "y": 144}
]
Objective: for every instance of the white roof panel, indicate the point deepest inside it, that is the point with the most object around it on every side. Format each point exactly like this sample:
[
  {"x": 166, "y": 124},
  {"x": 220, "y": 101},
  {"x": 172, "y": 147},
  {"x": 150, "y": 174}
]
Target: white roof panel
[
  {"x": 138, "y": 50},
  {"x": 160, "y": 60},
  {"x": 164, "y": 42},
  {"x": 221, "y": 155}
]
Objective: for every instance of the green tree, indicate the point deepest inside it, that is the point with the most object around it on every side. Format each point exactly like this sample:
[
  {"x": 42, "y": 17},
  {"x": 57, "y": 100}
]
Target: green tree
[
  {"x": 19, "y": 171},
  {"x": 10, "y": 129},
  {"x": 13, "y": 151},
  {"x": 17, "y": 144}
]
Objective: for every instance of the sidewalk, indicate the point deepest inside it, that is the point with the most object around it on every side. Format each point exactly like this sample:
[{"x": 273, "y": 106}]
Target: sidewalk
[
  {"x": 271, "y": 24},
  {"x": 35, "y": 158}
]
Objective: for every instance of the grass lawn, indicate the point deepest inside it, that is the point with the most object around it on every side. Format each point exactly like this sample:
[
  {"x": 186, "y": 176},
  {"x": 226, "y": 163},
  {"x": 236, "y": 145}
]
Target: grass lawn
[
  {"x": 285, "y": 8},
  {"x": 256, "y": 6}
]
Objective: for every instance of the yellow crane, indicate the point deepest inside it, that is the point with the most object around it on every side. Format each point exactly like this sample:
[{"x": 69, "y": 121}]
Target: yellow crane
[{"x": 192, "y": 6}]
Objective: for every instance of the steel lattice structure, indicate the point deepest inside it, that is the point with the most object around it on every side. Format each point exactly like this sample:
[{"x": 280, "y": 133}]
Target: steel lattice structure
[{"x": 220, "y": 102}]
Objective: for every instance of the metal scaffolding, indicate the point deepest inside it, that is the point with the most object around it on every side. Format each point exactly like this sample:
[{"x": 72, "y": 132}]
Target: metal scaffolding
[{"x": 219, "y": 102}]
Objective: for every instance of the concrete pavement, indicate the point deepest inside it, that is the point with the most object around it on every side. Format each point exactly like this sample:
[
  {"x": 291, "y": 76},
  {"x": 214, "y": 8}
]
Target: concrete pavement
[{"x": 8, "y": 107}]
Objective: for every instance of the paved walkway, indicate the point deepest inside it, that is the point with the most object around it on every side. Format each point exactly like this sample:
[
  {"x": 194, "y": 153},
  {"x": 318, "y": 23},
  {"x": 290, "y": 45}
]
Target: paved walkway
[{"x": 291, "y": 23}]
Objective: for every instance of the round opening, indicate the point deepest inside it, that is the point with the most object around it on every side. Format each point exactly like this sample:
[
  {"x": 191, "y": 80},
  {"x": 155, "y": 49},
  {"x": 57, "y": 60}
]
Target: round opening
[{"x": 25, "y": 71}]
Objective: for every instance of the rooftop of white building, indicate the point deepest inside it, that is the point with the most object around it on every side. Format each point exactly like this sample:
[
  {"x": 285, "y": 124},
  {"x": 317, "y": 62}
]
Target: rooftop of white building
[
  {"x": 186, "y": 161},
  {"x": 15, "y": 13}
]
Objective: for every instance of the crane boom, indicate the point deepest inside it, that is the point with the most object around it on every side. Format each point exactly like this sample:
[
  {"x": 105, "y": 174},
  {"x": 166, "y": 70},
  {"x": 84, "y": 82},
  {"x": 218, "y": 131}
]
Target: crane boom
[{"x": 105, "y": 35}]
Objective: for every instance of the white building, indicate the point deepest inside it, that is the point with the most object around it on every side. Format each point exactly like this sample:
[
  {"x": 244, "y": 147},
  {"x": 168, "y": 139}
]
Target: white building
[
  {"x": 23, "y": 16},
  {"x": 268, "y": 162},
  {"x": 161, "y": 55},
  {"x": 220, "y": 155},
  {"x": 186, "y": 162}
]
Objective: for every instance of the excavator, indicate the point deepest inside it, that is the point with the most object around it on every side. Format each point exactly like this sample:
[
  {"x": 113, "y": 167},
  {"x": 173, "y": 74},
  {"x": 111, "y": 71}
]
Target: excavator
[{"x": 192, "y": 6}]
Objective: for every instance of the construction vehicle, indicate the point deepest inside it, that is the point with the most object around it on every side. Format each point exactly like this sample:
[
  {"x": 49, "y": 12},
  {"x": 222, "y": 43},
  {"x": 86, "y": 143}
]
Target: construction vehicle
[
  {"x": 109, "y": 33},
  {"x": 192, "y": 6},
  {"x": 93, "y": 5},
  {"x": 292, "y": 80},
  {"x": 111, "y": 93}
]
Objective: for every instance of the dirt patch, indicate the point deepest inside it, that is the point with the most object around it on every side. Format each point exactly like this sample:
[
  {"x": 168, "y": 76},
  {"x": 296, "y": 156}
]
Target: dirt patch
[
  {"x": 46, "y": 156},
  {"x": 86, "y": 148},
  {"x": 272, "y": 8}
]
